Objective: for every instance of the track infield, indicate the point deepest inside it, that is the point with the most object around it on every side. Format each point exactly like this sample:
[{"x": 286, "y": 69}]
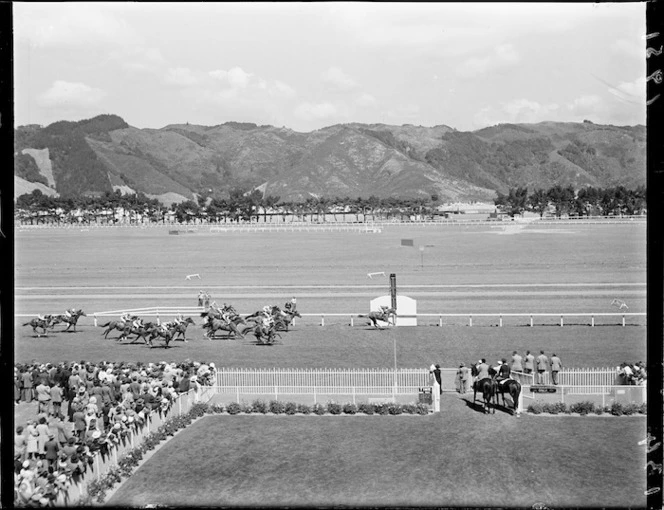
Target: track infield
[{"x": 459, "y": 457}]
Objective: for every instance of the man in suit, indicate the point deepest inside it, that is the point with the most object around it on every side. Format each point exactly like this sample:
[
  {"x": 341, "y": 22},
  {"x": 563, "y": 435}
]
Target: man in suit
[
  {"x": 516, "y": 362},
  {"x": 556, "y": 365},
  {"x": 542, "y": 367},
  {"x": 530, "y": 363}
]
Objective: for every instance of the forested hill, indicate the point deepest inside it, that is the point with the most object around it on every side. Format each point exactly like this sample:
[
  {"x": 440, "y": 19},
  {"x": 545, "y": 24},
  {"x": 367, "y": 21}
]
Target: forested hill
[{"x": 349, "y": 160}]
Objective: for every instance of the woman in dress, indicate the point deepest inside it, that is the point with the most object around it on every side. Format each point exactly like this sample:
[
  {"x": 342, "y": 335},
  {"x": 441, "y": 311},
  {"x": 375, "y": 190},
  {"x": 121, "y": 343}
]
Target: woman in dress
[
  {"x": 32, "y": 446},
  {"x": 42, "y": 437}
]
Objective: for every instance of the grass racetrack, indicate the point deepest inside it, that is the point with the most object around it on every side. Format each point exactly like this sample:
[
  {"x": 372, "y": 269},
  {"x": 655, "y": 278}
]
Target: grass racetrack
[{"x": 457, "y": 458}]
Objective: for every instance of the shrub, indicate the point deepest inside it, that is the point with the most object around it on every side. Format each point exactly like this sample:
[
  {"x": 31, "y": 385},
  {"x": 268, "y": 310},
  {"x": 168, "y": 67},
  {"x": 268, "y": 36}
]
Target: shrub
[
  {"x": 290, "y": 408},
  {"x": 277, "y": 407},
  {"x": 409, "y": 409},
  {"x": 630, "y": 409},
  {"x": 246, "y": 408},
  {"x": 383, "y": 409},
  {"x": 582, "y": 408},
  {"x": 233, "y": 408},
  {"x": 599, "y": 411},
  {"x": 333, "y": 408},
  {"x": 319, "y": 409},
  {"x": 616, "y": 409},
  {"x": 258, "y": 406},
  {"x": 366, "y": 408},
  {"x": 394, "y": 409},
  {"x": 643, "y": 408},
  {"x": 303, "y": 408},
  {"x": 217, "y": 408},
  {"x": 350, "y": 409},
  {"x": 536, "y": 408},
  {"x": 422, "y": 409}
]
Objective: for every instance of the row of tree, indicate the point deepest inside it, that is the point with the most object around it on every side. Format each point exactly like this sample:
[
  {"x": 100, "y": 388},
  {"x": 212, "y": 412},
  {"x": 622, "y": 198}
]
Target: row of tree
[
  {"x": 588, "y": 201},
  {"x": 240, "y": 205}
]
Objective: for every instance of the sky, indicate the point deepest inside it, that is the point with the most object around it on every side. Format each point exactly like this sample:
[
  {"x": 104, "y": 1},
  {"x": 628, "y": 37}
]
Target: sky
[{"x": 306, "y": 66}]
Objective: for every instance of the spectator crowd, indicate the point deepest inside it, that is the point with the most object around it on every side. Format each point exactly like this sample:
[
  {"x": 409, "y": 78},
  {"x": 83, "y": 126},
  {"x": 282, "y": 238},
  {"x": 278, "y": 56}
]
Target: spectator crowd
[{"x": 83, "y": 409}]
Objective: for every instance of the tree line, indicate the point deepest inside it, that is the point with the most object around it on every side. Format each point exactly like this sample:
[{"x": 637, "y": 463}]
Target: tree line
[
  {"x": 240, "y": 205},
  {"x": 562, "y": 200}
]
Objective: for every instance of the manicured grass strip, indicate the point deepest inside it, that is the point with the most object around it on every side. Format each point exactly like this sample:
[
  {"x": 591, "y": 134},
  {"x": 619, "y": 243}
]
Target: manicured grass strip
[{"x": 457, "y": 458}]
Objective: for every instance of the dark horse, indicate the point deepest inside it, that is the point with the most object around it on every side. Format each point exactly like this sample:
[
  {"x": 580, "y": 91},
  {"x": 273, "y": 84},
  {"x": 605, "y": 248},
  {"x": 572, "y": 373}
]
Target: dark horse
[
  {"x": 214, "y": 325},
  {"x": 283, "y": 319},
  {"x": 70, "y": 320},
  {"x": 487, "y": 387},
  {"x": 46, "y": 322},
  {"x": 268, "y": 334},
  {"x": 159, "y": 332},
  {"x": 181, "y": 328},
  {"x": 513, "y": 388},
  {"x": 383, "y": 316}
]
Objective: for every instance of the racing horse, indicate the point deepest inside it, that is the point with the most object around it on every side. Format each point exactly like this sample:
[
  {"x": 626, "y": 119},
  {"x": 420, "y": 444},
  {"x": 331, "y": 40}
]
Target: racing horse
[
  {"x": 487, "y": 387},
  {"x": 70, "y": 320},
  {"x": 158, "y": 332},
  {"x": 44, "y": 324},
  {"x": 214, "y": 325},
  {"x": 513, "y": 388},
  {"x": 269, "y": 334},
  {"x": 383, "y": 316},
  {"x": 283, "y": 318},
  {"x": 181, "y": 328}
]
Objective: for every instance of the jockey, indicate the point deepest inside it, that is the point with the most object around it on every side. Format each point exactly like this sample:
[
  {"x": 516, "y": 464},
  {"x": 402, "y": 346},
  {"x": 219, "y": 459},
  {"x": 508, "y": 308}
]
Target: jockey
[
  {"x": 125, "y": 317},
  {"x": 266, "y": 311},
  {"x": 503, "y": 371},
  {"x": 70, "y": 313},
  {"x": 164, "y": 326},
  {"x": 41, "y": 317},
  {"x": 267, "y": 321},
  {"x": 138, "y": 322},
  {"x": 179, "y": 319}
]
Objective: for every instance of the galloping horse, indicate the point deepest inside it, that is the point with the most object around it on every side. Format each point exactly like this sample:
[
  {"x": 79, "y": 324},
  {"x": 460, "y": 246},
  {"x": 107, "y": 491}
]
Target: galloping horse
[
  {"x": 214, "y": 325},
  {"x": 284, "y": 318},
  {"x": 159, "y": 332},
  {"x": 112, "y": 325},
  {"x": 513, "y": 388},
  {"x": 383, "y": 316},
  {"x": 269, "y": 334},
  {"x": 181, "y": 328},
  {"x": 46, "y": 322},
  {"x": 71, "y": 320},
  {"x": 487, "y": 387}
]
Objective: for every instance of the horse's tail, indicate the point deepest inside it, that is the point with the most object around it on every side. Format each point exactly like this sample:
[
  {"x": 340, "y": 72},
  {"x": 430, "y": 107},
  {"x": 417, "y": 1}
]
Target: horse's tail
[
  {"x": 28, "y": 323},
  {"x": 105, "y": 325}
]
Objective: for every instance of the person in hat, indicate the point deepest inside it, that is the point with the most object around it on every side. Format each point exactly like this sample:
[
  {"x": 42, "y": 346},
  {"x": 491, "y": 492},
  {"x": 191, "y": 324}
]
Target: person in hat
[
  {"x": 20, "y": 443},
  {"x": 51, "y": 449},
  {"x": 556, "y": 365},
  {"x": 517, "y": 365},
  {"x": 503, "y": 371},
  {"x": 43, "y": 432},
  {"x": 69, "y": 448},
  {"x": 482, "y": 370}
]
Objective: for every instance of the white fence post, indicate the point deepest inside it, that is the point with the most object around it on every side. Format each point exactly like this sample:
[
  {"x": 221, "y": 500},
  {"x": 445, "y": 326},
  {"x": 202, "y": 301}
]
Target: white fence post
[
  {"x": 322, "y": 320},
  {"x": 623, "y": 321},
  {"x": 351, "y": 321},
  {"x": 500, "y": 323},
  {"x": 592, "y": 321},
  {"x": 531, "y": 321},
  {"x": 470, "y": 320},
  {"x": 561, "y": 321},
  {"x": 95, "y": 319}
]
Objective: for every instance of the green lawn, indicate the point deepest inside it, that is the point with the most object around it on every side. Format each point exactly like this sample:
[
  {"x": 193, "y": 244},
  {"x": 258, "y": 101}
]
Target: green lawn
[{"x": 459, "y": 457}]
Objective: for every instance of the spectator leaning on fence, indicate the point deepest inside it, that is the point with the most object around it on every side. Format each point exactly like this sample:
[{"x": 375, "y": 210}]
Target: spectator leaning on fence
[
  {"x": 556, "y": 365},
  {"x": 542, "y": 367},
  {"x": 516, "y": 362}
]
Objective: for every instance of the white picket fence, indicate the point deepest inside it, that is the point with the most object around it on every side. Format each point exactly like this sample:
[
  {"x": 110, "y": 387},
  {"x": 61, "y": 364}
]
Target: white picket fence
[
  {"x": 195, "y": 311},
  {"x": 292, "y": 381},
  {"x": 103, "y": 464}
]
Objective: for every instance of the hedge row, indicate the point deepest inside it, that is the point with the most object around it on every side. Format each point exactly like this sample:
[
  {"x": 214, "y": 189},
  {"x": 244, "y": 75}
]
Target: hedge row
[{"x": 587, "y": 407}]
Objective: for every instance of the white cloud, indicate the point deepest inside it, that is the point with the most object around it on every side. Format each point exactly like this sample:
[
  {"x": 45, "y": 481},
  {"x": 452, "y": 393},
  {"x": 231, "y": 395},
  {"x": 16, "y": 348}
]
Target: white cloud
[
  {"x": 515, "y": 111},
  {"x": 338, "y": 79},
  {"x": 635, "y": 90},
  {"x": 585, "y": 105},
  {"x": 234, "y": 78},
  {"x": 279, "y": 88},
  {"x": 502, "y": 56},
  {"x": 138, "y": 58},
  {"x": 70, "y": 24},
  {"x": 182, "y": 76},
  {"x": 317, "y": 111},
  {"x": 366, "y": 100},
  {"x": 70, "y": 94}
]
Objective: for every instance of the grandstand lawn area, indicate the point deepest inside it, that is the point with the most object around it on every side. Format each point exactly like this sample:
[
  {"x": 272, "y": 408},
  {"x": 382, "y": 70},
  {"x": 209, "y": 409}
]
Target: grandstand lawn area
[
  {"x": 312, "y": 346},
  {"x": 459, "y": 457}
]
